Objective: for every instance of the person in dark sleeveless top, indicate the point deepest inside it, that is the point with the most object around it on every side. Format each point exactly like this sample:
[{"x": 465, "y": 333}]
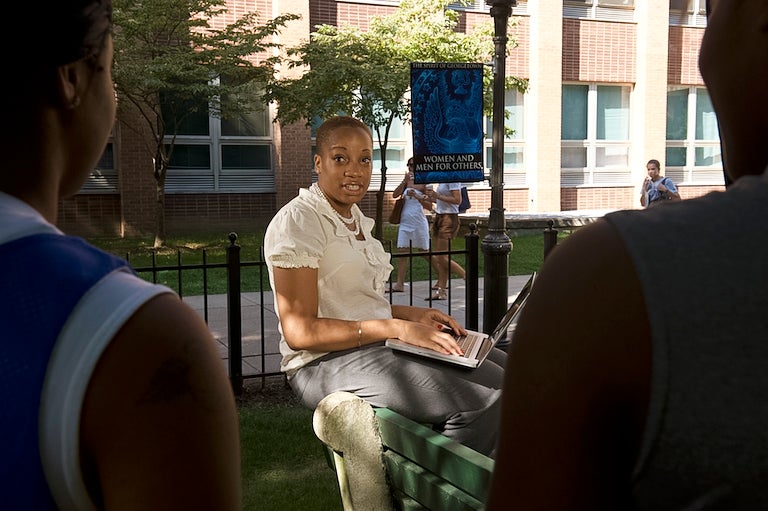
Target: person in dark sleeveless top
[
  {"x": 637, "y": 375},
  {"x": 112, "y": 393}
]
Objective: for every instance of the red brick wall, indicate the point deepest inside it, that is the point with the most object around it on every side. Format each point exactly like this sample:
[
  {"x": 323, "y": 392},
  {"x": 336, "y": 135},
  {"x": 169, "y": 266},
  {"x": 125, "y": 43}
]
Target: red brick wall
[
  {"x": 689, "y": 192},
  {"x": 618, "y": 198},
  {"x": 222, "y": 212},
  {"x": 597, "y": 198},
  {"x": 598, "y": 51},
  {"x": 90, "y": 215},
  {"x": 683, "y": 63},
  {"x": 518, "y": 60},
  {"x": 138, "y": 188},
  {"x": 293, "y": 160},
  {"x": 330, "y": 12}
]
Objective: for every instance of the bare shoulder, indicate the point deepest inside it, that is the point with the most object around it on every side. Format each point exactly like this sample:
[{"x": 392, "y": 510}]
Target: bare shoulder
[
  {"x": 159, "y": 412},
  {"x": 576, "y": 382},
  {"x": 587, "y": 298},
  {"x": 164, "y": 339}
]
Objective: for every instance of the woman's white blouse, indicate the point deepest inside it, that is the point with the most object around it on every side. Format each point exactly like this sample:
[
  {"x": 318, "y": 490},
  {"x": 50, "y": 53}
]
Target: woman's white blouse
[{"x": 352, "y": 273}]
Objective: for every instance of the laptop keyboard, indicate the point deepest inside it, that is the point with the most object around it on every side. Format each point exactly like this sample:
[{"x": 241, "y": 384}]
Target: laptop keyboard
[{"x": 468, "y": 342}]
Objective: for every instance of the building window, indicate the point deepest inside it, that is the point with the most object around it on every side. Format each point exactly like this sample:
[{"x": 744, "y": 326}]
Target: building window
[
  {"x": 103, "y": 178},
  {"x": 693, "y": 142},
  {"x": 607, "y": 10},
  {"x": 481, "y": 5},
  {"x": 227, "y": 153},
  {"x": 688, "y": 13},
  {"x": 514, "y": 162},
  {"x": 595, "y": 135},
  {"x": 399, "y": 145}
]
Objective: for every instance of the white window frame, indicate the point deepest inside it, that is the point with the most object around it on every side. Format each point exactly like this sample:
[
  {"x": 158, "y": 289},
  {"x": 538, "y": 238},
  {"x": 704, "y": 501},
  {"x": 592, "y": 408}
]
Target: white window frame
[
  {"x": 515, "y": 176},
  {"x": 103, "y": 178},
  {"x": 600, "y": 10},
  {"x": 216, "y": 179},
  {"x": 482, "y": 6},
  {"x": 694, "y": 15},
  {"x": 691, "y": 173},
  {"x": 591, "y": 175},
  {"x": 473, "y": 5},
  {"x": 396, "y": 169}
]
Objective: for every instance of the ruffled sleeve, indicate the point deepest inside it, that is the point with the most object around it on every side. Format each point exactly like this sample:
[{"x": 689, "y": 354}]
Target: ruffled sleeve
[{"x": 296, "y": 236}]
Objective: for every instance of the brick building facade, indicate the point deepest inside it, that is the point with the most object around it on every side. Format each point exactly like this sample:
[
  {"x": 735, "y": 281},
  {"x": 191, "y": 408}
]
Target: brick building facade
[{"x": 618, "y": 84}]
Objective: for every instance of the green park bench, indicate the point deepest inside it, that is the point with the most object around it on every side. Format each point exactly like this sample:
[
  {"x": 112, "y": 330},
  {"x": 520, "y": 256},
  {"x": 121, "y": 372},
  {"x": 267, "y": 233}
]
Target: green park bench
[{"x": 384, "y": 461}]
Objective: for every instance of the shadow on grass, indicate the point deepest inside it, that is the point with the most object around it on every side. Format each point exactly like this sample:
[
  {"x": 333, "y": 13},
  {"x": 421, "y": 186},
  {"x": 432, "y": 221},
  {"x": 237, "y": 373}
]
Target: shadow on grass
[{"x": 283, "y": 466}]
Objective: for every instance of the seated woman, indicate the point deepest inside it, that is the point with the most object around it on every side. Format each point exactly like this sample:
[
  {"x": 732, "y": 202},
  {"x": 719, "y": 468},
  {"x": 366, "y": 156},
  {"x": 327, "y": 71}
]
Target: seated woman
[{"x": 328, "y": 274}]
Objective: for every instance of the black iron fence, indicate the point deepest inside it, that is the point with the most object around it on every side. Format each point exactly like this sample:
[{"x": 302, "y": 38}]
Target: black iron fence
[{"x": 264, "y": 329}]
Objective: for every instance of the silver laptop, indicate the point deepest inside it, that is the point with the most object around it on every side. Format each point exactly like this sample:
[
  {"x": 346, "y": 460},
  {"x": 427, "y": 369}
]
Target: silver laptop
[{"x": 476, "y": 345}]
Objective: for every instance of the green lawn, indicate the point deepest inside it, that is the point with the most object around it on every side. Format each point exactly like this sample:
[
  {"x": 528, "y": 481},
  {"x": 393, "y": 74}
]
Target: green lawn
[{"x": 283, "y": 466}]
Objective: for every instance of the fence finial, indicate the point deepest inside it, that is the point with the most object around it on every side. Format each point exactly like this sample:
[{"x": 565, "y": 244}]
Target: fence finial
[{"x": 550, "y": 238}]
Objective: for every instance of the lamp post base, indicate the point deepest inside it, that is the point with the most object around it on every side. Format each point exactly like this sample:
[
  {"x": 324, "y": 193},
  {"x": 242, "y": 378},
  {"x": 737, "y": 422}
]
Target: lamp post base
[{"x": 496, "y": 247}]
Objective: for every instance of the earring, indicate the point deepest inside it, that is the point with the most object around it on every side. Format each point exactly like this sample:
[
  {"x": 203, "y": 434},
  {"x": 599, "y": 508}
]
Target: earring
[{"x": 75, "y": 103}]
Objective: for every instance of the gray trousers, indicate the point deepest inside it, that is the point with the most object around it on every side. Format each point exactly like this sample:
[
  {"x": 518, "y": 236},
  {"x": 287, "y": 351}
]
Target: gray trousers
[{"x": 462, "y": 404}]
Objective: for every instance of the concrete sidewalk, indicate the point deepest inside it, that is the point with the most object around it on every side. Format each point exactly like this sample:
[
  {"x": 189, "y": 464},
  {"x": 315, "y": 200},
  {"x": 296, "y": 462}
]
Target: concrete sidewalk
[{"x": 258, "y": 314}]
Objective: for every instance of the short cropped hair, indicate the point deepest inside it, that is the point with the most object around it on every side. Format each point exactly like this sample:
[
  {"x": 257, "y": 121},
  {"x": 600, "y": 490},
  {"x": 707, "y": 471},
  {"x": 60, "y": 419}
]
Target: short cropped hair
[
  {"x": 654, "y": 162},
  {"x": 64, "y": 31},
  {"x": 332, "y": 124}
]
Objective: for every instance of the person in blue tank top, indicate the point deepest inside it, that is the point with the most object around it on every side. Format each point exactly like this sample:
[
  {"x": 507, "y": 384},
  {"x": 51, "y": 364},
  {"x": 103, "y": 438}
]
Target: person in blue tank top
[
  {"x": 636, "y": 378},
  {"x": 112, "y": 393},
  {"x": 656, "y": 188}
]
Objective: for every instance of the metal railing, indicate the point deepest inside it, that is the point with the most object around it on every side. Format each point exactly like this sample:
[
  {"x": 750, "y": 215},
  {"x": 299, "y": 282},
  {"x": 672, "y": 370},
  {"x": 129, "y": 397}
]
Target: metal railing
[{"x": 234, "y": 305}]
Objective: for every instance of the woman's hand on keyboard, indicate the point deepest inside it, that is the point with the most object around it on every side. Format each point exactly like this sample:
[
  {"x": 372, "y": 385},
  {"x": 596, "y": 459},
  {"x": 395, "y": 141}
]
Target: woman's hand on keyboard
[
  {"x": 430, "y": 322},
  {"x": 430, "y": 337}
]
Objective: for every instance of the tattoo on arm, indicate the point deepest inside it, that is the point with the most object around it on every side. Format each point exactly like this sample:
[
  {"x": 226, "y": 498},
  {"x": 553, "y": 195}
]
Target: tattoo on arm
[{"x": 169, "y": 383}]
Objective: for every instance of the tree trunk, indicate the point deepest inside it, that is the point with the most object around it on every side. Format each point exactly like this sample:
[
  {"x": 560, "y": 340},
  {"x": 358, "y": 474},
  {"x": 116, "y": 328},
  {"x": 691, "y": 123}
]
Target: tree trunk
[
  {"x": 160, "y": 217},
  {"x": 161, "y": 169},
  {"x": 378, "y": 231}
]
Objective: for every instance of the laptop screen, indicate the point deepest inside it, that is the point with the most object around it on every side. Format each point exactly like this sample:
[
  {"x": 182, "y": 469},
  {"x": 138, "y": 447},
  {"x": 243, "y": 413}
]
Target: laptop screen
[{"x": 501, "y": 329}]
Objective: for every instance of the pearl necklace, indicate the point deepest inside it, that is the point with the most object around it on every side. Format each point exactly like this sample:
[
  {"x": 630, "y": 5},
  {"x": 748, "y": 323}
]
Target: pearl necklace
[{"x": 351, "y": 223}]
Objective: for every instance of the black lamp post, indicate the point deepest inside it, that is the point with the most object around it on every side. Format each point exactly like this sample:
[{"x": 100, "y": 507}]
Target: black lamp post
[{"x": 496, "y": 245}]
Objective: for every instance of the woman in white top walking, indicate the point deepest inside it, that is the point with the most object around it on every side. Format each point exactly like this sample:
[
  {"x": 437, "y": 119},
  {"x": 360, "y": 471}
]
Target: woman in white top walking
[{"x": 413, "y": 230}]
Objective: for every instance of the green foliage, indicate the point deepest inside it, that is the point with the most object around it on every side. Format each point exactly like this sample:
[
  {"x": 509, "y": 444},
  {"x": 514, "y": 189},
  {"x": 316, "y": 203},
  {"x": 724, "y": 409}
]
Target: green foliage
[
  {"x": 366, "y": 73},
  {"x": 171, "y": 47},
  {"x": 172, "y": 60}
]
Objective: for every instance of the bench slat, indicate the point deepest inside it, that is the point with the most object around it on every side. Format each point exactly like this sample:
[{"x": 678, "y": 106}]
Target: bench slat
[
  {"x": 463, "y": 467},
  {"x": 429, "y": 490}
]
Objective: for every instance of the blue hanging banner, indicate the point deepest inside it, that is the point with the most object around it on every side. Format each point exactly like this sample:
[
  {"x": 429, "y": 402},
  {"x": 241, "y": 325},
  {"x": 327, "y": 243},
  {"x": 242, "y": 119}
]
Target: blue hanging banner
[{"x": 447, "y": 119}]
